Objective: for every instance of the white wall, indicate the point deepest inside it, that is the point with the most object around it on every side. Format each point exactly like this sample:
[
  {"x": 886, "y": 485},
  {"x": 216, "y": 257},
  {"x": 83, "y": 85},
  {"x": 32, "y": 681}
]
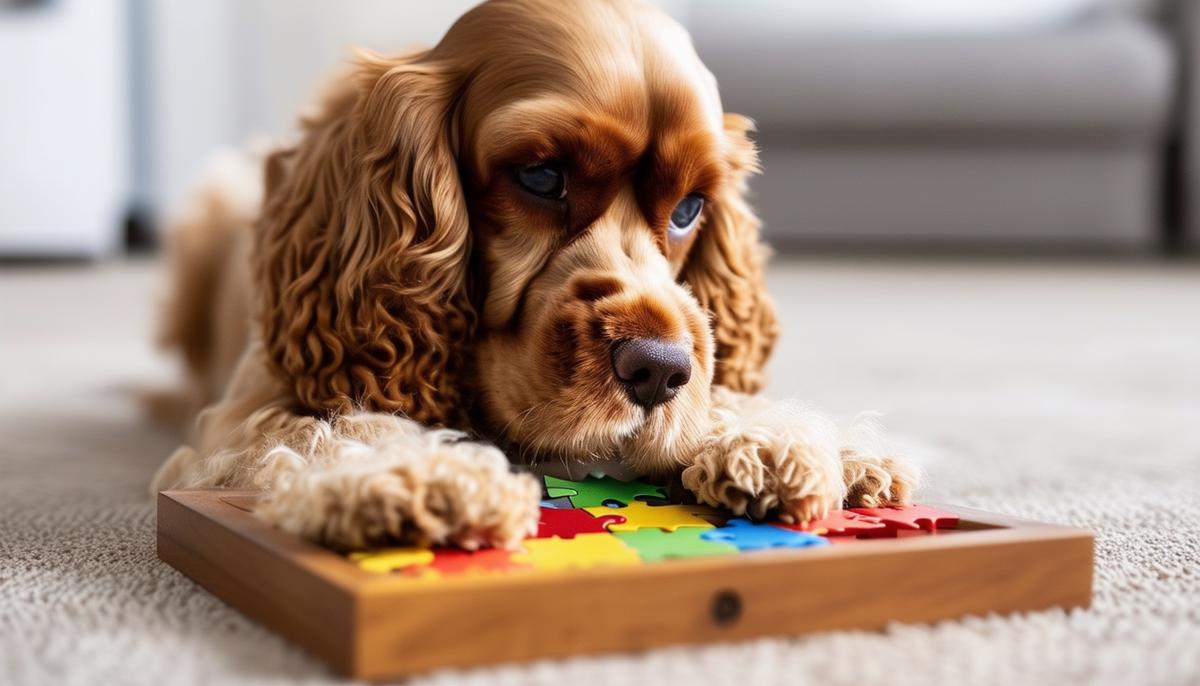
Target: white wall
[
  {"x": 64, "y": 137},
  {"x": 228, "y": 71},
  {"x": 224, "y": 72},
  {"x": 191, "y": 63}
]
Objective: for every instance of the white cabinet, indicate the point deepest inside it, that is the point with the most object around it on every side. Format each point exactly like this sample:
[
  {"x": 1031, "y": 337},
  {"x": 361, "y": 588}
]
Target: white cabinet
[{"x": 64, "y": 127}]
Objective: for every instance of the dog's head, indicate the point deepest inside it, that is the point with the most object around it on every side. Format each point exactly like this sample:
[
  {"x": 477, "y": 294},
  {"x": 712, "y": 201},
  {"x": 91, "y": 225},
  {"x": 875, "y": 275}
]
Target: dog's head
[{"x": 536, "y": 230}]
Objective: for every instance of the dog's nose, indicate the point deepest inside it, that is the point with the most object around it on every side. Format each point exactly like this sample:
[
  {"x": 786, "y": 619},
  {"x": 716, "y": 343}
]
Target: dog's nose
[{"x": 652, "y": 370}]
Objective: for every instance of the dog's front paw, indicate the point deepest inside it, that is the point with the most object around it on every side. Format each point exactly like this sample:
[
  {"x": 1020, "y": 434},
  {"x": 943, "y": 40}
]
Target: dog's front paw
[
  {"x": 406, "y": 491},
  {"x": 874, "y": 481},
  {"x": 783, "y": 462}
]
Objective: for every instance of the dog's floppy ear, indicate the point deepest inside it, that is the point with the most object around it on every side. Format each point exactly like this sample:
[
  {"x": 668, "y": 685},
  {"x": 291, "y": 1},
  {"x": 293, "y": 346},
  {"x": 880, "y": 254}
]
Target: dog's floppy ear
[
  {"x": 725, "y": 271},
  {"x": 363, "y": 247}
]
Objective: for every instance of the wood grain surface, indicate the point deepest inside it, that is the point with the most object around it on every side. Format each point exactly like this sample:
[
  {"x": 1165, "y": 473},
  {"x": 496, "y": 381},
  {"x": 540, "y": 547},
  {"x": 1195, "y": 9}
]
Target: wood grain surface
[{"x": 381, "y": 626}]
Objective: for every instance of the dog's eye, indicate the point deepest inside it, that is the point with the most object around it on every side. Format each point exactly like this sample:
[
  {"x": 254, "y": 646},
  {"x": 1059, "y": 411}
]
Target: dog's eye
[
  {"x": 685, "y": 214},
  {"x": 545, "y": 180}
]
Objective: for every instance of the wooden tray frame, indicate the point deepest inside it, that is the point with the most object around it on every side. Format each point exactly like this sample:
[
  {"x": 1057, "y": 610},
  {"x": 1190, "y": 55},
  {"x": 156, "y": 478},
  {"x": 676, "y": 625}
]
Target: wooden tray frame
[{"x": 374, "y": 626}]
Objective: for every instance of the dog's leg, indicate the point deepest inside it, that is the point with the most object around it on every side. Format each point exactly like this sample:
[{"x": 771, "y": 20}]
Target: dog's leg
[
  {"x": 874, "y": 479},
  {"x": 765, "y": 457},
  {"x": 356, "y": 480}
]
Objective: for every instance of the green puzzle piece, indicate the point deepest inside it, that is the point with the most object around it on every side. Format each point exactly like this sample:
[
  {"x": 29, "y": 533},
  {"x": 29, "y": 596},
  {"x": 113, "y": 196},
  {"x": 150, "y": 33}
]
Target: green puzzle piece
[
  {"x": 655, "y": 545},
  {"x": 592, "y": 491}
]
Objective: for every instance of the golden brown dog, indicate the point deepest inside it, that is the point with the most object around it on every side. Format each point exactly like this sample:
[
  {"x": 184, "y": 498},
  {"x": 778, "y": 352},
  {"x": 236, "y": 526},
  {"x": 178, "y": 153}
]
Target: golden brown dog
[{"x": 533, "y": 236}]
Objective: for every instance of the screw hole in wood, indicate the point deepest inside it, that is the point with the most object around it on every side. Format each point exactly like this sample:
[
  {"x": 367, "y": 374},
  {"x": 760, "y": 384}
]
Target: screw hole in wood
[{"x": 726, "y": 607}]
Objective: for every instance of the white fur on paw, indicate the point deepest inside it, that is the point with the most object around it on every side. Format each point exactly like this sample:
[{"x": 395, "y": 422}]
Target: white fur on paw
[
  {"x": 878, "y": 481},
  {"x": 873, "y": 480},
  {"x": 776, "y": 458},
  {"x": 431, "y": 488},
  {"x": 726, "y": 474}
]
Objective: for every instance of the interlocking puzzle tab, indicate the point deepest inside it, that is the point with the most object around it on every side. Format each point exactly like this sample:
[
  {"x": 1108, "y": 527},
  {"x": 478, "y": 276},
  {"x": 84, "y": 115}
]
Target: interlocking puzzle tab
[
  {"x": 840, "y": 523},
  {"x": 639, "y": 515},
  {"x": 602, "y": 521},
  {"x": 654, "y": 545},
  {"x": 598, "y": 491},
  {"x": 568, "y": 523},
  {"x": 454, "y": 561},
  {"x": 392, "y": 559},
  {"x": 912, "y": 517},
  {"x": 581, "y": 552},
  {"x": 747, "y": 535}
]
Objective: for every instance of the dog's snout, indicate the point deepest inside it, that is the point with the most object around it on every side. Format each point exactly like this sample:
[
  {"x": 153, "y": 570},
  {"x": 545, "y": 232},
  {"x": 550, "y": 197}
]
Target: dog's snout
[{"x": 652, "y": 370}]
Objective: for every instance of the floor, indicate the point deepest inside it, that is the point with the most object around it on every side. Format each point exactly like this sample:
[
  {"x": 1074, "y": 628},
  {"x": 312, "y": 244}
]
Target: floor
[{"x": 1063, "y": 391}]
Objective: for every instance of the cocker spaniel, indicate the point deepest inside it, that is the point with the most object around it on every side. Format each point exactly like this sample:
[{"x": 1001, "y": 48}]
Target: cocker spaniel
[{"x": 530, "y": 240}]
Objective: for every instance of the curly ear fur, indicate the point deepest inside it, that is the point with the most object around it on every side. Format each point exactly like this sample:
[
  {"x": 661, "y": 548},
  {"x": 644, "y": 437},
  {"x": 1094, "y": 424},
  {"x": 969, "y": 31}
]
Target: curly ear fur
[
  {"x": 363, "y": 246},
  {"x": 725, "y": 272}
]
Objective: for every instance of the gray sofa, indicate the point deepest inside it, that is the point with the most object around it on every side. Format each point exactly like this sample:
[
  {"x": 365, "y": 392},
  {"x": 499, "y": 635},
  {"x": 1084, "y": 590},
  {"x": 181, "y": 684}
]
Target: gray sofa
[{"x": 1058, "y": 134}]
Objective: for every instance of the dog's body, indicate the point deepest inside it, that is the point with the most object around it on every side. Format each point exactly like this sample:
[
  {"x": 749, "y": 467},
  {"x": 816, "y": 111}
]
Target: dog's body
[{"x": 533, "y": 235}]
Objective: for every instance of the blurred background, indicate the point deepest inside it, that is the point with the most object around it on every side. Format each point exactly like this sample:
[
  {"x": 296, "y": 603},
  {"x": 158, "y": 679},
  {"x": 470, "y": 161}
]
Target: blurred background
[
  {"x": 986, "y": 216},
  {"x": 897, "y": 125}
]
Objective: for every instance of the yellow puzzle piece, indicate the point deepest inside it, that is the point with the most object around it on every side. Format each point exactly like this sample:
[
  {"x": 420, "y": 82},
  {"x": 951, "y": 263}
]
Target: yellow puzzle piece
[
  {"x": 639, "y": 515},
  {"x": 387, "y": 560},
  {"x": 581, "y": 552}
]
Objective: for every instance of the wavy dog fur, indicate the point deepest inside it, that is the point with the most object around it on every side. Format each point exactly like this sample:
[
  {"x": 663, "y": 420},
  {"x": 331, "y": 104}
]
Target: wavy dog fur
[
  {"x": 413, "y": 306},
  {"x": 363, "y": 248}
]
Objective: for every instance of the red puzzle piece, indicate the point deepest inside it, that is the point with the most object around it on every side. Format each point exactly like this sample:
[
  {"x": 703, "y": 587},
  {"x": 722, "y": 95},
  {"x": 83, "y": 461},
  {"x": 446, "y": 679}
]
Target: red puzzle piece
[
  {"x": 840, "y": 523},
  {"x": 449, "y": 561},
  {"x": 567, "y": 523},
  {"x": 912, "y": 517}
]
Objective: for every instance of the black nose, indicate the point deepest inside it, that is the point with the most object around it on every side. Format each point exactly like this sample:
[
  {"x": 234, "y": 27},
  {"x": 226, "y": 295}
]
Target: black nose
[{"x": 652, "y": 370}]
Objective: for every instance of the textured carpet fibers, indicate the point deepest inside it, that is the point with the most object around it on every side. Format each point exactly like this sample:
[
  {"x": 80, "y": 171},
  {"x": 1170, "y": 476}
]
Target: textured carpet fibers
[{"x": 1069, "y": 393}]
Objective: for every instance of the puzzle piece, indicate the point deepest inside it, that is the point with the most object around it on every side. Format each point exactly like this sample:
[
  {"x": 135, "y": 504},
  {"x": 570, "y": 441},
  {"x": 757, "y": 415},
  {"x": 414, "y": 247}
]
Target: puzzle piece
[
  {"x": 839, "y": 523},
  {"x": 639, "y": 515},
  {"x": 560, "y": 503},
  {"x": 582, "y": 552},
  {"x": 386, "y": 560},
  {"x": 749, "y": 536},
  {"x": 455, "y": 561},
  {"x": 567, "y": 523},
  {"x": 911, "y": 517},
  {"x": 593, "y": 491},
  {"x": 654, "y": 545}
]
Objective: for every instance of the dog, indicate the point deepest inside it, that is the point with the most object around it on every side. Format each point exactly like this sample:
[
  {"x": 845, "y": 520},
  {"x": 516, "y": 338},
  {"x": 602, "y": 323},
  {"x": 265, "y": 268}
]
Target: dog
[{"x": 532, "y": 239}]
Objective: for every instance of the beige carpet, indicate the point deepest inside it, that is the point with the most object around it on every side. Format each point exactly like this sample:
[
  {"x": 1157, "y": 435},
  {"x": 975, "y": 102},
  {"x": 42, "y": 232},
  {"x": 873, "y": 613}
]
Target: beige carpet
[{"x": 1064, "y": 392}]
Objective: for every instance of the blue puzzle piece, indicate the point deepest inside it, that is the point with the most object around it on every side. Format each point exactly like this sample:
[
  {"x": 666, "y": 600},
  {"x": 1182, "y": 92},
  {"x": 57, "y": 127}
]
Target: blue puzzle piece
[
  {"x": 563, "y": 503},
  {"x": 747, "y": 535}
]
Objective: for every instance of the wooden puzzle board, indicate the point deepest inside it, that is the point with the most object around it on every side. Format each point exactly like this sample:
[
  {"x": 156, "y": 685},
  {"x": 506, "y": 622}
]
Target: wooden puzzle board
[{"x": 375, "y": 620}]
